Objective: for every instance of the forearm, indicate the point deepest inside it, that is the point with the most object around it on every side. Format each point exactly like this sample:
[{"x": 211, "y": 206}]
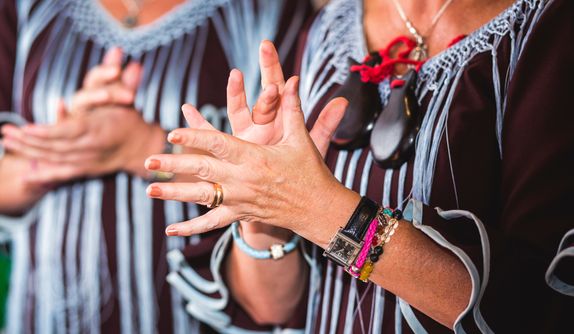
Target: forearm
[
  {"x": 427, "y": 276},
  {"x": 413, "y": 267},
  {"x": 15, "y": 194},
  {"x": 269, "y": 290}
]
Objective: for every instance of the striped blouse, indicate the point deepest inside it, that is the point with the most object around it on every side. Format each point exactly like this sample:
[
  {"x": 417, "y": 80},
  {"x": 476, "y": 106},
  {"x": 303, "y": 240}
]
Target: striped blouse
[
  {"x": 90, "y": 256},
  {"x": 495, "y": 149}
]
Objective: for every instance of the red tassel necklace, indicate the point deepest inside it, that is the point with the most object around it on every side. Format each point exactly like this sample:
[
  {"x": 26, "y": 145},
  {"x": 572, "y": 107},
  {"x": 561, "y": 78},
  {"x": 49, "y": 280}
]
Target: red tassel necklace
[{"x": 391, "y": 132}]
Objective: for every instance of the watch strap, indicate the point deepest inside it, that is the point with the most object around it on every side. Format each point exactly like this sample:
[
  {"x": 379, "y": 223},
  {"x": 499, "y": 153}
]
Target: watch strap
[{"x": 360, "y": 220}]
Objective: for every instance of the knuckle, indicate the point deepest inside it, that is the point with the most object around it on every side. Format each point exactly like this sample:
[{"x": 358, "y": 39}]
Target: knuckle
[
  {"x": 219, "y": 146},
  {"x": 203, "y": 169},
  {"x": 213, "y": 224},
  {"x": 204, "y": 196}
]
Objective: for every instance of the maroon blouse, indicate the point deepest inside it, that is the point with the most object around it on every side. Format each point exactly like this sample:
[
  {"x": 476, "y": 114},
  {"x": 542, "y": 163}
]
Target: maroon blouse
[{"x": 505, "y": 153}]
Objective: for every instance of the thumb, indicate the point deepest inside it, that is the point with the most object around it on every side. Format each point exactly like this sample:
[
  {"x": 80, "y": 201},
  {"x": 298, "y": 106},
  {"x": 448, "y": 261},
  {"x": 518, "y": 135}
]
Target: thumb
[
  {"x": 293, "y": 118},
  {"x": 61, "y": 111},
  {"x": 132, "y": 75},
  {"x": 327, "y": 123}
]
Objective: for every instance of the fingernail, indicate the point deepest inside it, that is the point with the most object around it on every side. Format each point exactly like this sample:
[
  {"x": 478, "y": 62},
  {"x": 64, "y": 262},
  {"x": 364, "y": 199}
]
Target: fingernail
[
  {"x": 153, "y": 164},
  {"x": 174, "y": 138},
  {"x": 171, "y": 231},
  {"x": 154, "y": 191}
]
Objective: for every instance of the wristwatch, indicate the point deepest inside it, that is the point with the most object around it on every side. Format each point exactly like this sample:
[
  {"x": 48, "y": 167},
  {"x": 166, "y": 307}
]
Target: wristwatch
[{"x": 345, "y": 246}]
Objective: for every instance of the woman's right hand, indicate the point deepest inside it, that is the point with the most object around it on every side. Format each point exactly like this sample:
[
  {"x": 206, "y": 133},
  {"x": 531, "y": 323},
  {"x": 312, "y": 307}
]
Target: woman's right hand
[{"x": 264, "y": 124}]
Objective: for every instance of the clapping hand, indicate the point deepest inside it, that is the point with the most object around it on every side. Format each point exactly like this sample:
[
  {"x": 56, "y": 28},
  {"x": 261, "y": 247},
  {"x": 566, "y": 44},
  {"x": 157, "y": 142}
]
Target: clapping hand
[
  {"x": 100, "y": 133},
  {"x": 275, "y": 182}
]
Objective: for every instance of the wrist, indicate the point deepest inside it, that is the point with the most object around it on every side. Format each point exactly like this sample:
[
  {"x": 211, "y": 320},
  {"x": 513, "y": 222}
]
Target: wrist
[
  {"x": 151, "y": 142},
  {"x": 263, "y": 236},
  {"x": 333, "y": 211}
]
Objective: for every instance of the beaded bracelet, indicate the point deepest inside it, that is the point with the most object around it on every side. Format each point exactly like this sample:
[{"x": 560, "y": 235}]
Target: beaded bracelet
[
  {"x": 275, "y": 252},
  {"x": 355, "y": 269},
  {"x": 383, "y": 237}
]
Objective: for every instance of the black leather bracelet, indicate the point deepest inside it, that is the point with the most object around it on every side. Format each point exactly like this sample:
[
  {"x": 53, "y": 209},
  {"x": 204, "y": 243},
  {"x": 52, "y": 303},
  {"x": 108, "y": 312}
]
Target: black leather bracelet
[
  {"x": 359, "y": 222},
  {"x": 346, "y": 244}
]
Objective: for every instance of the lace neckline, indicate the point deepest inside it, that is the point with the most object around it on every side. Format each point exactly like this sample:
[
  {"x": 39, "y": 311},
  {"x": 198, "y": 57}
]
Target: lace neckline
[
  {"x": 94, "y": 22},
  {"x": 475, "y": 42}
]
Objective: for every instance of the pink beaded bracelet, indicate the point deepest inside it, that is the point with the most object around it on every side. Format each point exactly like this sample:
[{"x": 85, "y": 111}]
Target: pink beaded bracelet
[{"x": 355, "y": 269}]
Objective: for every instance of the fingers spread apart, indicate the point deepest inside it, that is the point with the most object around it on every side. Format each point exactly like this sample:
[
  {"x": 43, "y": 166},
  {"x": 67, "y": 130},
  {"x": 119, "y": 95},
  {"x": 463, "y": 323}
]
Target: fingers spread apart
[
  {"x": 221, "y": 145},
  {"x": 201, "y": 166},
  {"x": 270, "y": 65},
  {"x": 214, "y": 219},
  {"x": 194, "y": 118},
  {"x": 237, "y": 109},
  {"x": 265, "y": 110},
  {"x": 327, "y": 123},
  {"x": 197, "y": 192}
]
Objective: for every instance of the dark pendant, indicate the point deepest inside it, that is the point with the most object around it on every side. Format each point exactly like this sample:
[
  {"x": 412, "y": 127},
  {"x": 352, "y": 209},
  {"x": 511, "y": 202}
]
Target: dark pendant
[
  {"x": 395, "y": 130},
  {"x": 130, "y": 21},
  {"x": 364, "y": 106}
]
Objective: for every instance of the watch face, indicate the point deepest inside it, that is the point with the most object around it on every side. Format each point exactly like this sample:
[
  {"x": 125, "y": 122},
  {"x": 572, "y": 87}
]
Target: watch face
[{"x": 343, "y": 250}]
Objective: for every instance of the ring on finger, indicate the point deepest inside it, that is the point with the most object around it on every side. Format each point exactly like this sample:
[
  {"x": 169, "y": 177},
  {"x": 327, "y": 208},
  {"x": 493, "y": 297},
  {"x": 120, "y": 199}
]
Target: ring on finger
[{"x": 217, "y": 196}]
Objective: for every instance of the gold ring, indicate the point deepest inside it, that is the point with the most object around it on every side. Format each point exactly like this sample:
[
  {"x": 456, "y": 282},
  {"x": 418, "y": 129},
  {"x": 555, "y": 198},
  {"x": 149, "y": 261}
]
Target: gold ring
[{"x": 217, "y": 196}]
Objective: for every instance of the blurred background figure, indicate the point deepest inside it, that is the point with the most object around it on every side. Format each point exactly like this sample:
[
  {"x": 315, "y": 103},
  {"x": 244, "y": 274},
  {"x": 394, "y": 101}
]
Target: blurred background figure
[{"x": 96, "y": 85}]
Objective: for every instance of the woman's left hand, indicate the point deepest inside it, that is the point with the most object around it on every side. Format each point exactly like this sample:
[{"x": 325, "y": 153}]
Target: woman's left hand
[{"x": 286, "y": 184}]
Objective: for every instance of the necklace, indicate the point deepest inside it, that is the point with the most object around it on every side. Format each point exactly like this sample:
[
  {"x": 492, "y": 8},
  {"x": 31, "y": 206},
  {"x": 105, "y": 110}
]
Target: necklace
[
  {"x": 421, "y": 50},
  {"x": 391, "y": 132},
  {"x": 134, "y": 8}
]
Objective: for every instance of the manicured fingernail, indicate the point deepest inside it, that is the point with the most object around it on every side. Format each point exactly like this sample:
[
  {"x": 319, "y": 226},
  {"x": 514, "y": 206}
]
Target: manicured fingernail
[
  {"x": 153, "y": 164},
  {"x": 154, "y": 191},
  {"x": 174, "y": 138},
  {"x": 171, "y": 231}
]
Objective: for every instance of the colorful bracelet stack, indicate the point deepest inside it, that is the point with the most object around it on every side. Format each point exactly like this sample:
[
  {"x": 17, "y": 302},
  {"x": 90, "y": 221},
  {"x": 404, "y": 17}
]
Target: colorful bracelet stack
[
  {"x": 359, "y": 245},
  {"x": 389, "y": 222}
]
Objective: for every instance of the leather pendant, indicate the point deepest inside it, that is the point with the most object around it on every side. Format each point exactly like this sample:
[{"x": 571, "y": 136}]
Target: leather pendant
[
  {"x": 395, "y": 130},
  {"x": 364, "y": 106}
]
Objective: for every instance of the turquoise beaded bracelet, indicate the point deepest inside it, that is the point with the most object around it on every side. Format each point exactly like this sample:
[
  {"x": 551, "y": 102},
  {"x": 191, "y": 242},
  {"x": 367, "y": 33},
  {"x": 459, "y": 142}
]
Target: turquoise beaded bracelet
[{"x": 275, "y": 252}]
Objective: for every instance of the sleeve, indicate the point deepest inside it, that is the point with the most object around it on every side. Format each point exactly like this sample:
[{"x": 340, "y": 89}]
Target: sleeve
[
  {"x": 521, "y": 263},
  {"x": 560, "y": 273}
]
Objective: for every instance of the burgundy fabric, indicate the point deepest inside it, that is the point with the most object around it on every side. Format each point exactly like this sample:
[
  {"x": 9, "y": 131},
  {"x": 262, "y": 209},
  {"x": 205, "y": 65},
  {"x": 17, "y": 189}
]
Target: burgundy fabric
[{"x": 8, "y": 28}]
